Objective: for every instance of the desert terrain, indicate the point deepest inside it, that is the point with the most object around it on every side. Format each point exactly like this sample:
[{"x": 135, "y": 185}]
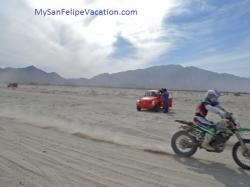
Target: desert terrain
[{"x": 89, "y": 136}]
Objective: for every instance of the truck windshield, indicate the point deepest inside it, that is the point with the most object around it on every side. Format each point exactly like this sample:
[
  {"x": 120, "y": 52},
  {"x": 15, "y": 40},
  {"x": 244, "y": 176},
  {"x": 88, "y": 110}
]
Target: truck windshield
[{"x": 154, "y": 94}]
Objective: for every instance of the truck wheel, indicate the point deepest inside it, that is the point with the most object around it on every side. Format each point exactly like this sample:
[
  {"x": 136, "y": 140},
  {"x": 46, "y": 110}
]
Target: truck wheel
[
  {"x": 157, "y": 108},
  {"x": 138, "y": 108}
]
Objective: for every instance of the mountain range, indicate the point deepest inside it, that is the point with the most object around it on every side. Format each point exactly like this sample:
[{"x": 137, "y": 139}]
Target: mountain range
[{"x": 169, "y": 76}]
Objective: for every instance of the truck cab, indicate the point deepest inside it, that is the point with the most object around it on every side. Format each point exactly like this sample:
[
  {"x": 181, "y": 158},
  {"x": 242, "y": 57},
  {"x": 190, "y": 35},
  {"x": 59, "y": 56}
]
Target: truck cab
[{"x": 152, "y": 100}]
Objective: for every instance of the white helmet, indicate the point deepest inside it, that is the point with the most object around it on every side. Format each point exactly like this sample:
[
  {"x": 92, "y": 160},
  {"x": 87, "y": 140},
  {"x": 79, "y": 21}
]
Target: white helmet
[{"x": 212, "y": 96}]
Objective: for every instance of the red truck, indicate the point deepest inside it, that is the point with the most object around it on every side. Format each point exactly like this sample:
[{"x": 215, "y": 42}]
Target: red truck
[{"x": 152, "y": 100}]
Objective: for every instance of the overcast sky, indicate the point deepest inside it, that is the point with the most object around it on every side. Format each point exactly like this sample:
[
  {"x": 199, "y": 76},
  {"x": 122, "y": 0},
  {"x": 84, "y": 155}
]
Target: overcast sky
[{"x": 212, "y": 34}]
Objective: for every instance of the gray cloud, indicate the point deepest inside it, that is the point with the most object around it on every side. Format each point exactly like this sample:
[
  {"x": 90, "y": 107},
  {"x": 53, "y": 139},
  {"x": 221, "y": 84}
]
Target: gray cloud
[{"x": 78, "y": 47}]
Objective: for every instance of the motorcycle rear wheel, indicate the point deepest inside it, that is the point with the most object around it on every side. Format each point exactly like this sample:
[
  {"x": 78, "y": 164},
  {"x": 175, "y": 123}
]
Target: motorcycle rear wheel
[
  {"x": 238, "y": 154},
  {"x": 187, "y": 145}
]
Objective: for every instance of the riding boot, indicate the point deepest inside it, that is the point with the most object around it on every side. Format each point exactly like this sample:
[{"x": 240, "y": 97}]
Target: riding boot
[{"x": 206, "y": 142}]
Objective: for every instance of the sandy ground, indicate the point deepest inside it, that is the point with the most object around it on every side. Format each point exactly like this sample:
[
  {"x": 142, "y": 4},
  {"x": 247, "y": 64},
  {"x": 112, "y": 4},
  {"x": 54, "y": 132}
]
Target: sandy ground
[{"x": 82, "y": 136}]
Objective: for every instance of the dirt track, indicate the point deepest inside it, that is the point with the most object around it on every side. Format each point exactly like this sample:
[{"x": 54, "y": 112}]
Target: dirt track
[{"x": 60, "y": 136}]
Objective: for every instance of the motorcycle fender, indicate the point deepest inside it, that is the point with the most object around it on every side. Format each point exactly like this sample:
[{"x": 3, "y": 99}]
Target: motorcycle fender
[
  {"x": 184, "y": 127},
  {"x": 243, "y": 130}
]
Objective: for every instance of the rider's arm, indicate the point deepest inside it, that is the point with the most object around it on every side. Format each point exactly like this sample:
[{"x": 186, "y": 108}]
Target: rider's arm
[
  {"x": 216, "y": 110},
  {"x": 221, "y": 108}
]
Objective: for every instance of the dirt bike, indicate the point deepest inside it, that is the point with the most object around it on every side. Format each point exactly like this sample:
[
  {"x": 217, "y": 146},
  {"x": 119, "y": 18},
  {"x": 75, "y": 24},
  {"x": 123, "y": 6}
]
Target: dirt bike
[{"x": 186, "y": 141}]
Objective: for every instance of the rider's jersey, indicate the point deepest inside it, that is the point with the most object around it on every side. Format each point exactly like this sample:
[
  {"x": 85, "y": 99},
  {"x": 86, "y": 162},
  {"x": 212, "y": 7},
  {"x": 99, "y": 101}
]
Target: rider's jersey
[
  {"x": 204, "y": 107},
  {"x": 201, "y": 110}
]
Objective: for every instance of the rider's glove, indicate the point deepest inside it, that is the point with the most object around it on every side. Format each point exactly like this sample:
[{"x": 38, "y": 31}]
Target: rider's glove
[{"x": 228, "y": 115}]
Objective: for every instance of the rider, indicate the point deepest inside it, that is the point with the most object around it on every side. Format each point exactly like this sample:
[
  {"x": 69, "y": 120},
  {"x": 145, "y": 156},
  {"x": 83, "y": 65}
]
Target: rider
[{"x": 210, "y": 103}]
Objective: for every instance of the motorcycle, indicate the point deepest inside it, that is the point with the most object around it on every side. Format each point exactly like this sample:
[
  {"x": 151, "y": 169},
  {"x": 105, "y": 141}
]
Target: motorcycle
[{"x": 186, "y": 141}]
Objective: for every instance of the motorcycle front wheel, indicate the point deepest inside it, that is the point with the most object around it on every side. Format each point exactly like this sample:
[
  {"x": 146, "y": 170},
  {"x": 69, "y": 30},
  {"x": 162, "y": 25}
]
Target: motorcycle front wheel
[
  {"x": 183, "y": 144},
  {"x": 242, "y": 156}
]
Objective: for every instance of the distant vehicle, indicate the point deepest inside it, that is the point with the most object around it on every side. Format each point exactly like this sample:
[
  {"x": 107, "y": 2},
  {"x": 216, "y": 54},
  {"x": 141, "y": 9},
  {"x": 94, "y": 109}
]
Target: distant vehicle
[
  {"x": 152, "y": 100},
  {"x": 12, "y": 85}
]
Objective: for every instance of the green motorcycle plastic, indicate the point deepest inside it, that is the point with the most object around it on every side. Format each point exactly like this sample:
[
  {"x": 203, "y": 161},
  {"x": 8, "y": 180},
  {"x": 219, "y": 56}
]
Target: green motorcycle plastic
[{"x": 186, "y": 141}]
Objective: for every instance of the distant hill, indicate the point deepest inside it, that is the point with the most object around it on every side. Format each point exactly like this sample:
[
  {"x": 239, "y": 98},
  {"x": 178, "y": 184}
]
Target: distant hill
[
  {"x": 29, "y": 75},
  {"x": 170, "y": 76},
  {"x": 173, "y": 77}
]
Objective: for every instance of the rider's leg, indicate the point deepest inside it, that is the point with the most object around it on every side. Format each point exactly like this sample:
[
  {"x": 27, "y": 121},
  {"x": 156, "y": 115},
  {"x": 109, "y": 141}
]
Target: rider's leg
[
  {"x": 206, "y": 142},
  {"x": 209, "y": 128},
  {"x": 205, "y": 124}
]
